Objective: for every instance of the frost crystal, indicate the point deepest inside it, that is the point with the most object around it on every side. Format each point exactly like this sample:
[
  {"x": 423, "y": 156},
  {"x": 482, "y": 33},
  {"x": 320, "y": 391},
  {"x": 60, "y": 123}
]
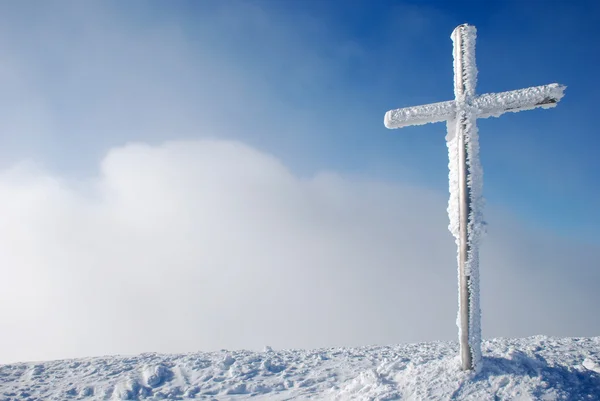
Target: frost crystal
[{"x": 465, "y": 172}]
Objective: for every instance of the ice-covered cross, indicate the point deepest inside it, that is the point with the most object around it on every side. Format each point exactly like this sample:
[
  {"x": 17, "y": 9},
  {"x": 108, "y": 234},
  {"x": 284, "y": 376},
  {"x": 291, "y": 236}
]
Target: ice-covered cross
[{"x": 465, "y": 204}]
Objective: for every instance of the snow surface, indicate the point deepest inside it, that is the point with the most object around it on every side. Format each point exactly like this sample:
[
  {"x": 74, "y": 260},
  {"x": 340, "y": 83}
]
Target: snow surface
[{"x": 535, "y": 368}]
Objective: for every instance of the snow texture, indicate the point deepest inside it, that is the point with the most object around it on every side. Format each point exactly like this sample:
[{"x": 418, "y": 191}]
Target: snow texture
[
  {"x": 536, "y": 368},
  {"x": 453, "y": 201},
  {"x": 487, "y": 105},
  {"x": 419, "y": 115},
  {"x": 465, "y": 81},
  {"x": 496, "y": 104},
  {"x": 468, "y": 35}
]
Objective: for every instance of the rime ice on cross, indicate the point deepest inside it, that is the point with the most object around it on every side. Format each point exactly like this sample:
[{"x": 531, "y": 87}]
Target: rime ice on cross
[{"x": 465, "y": 204}]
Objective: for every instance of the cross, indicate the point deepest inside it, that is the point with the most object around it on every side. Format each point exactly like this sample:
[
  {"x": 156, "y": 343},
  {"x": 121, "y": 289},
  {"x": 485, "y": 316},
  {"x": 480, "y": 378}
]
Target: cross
[{"x": 465, "y": 176}]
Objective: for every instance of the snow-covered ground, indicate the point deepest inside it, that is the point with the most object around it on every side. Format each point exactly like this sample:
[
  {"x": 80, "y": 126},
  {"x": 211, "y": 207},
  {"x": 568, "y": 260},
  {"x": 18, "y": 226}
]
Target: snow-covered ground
[{"x": 535, "y": 368}]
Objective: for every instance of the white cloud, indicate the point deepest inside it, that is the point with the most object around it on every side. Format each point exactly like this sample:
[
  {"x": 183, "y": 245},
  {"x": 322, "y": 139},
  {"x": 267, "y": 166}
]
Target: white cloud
[{"x": 208, "y": 244}]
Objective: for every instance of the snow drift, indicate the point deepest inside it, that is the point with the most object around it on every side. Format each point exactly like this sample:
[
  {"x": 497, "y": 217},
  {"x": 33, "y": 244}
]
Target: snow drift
[{"x": 535, "y": 368}]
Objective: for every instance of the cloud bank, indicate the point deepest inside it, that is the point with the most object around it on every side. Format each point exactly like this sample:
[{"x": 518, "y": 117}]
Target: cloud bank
[{"x": 210, "y": 244}]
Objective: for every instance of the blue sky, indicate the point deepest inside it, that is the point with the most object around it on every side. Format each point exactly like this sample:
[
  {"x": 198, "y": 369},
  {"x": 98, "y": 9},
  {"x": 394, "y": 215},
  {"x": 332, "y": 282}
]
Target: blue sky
[
  {"x": 228, "y": 160},
  {"x": 541, "y": 165},
  {"x": 337, "y": 69}
]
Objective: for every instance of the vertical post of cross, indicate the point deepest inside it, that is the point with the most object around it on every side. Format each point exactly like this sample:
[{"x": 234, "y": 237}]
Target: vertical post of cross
[
  {"x": 465, "y": 173},
  {"x": 464, "y": 88}
]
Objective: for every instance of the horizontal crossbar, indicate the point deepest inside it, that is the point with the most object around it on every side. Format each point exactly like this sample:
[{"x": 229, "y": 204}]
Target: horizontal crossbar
[{"x": 488, "y": 105}]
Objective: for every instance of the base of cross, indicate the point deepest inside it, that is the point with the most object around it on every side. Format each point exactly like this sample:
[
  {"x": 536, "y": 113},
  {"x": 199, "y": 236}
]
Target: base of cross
[{"x": 466, "y": 176}]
